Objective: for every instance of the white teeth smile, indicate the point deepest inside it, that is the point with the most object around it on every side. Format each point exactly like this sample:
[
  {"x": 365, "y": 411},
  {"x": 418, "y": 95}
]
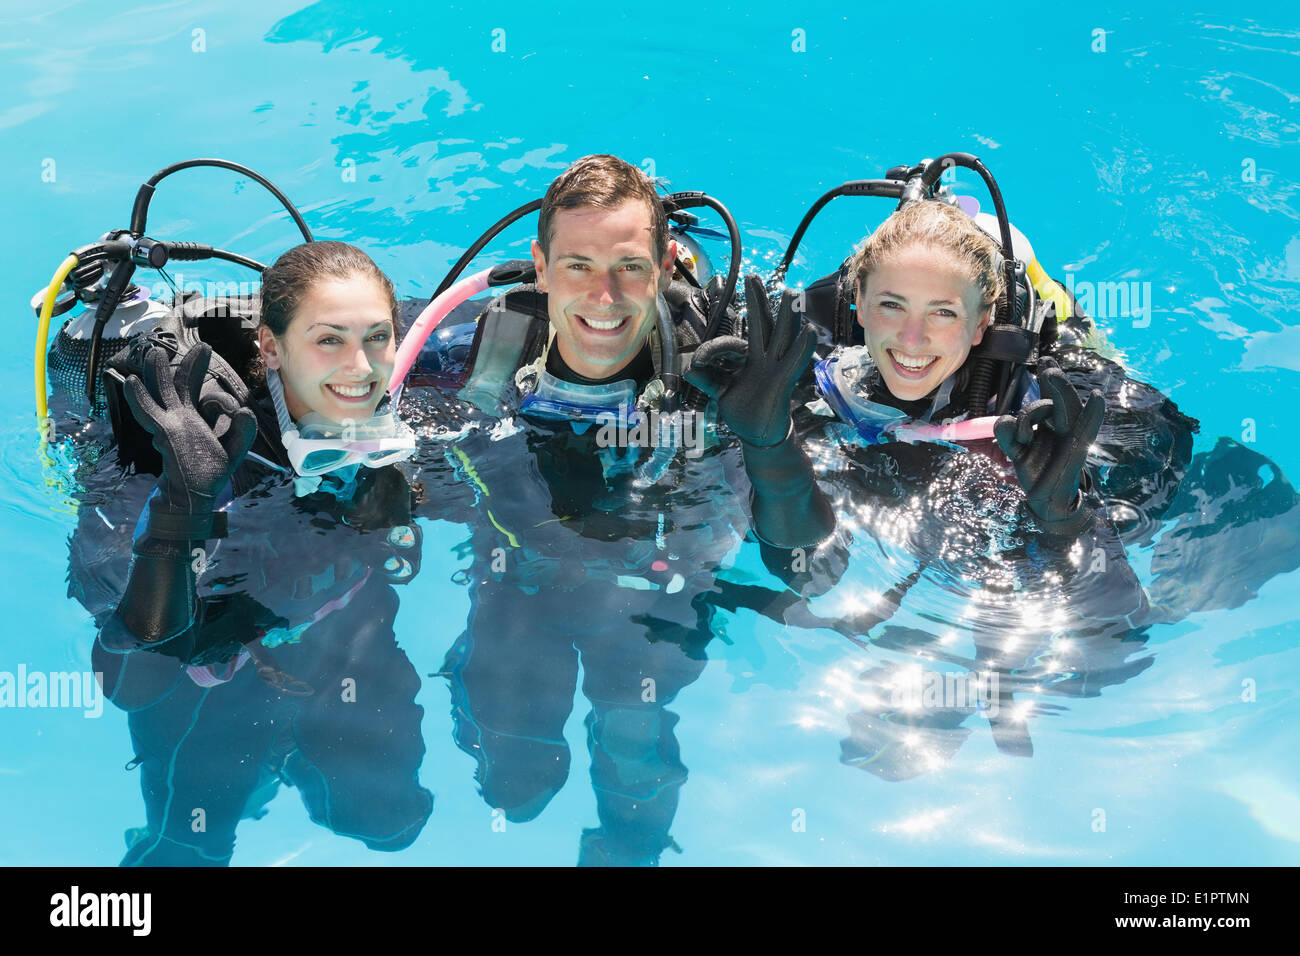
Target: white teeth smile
[
  {"x": 352, "y": 391},
  {"x": 913, "y": 363},
  {"x": 602, "y": 325}
]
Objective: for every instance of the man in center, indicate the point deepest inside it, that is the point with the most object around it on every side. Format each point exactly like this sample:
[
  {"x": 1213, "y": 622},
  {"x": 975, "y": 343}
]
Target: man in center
[
  {"x": 604, "y": 268},
  {"x": 583, "y": 551}
]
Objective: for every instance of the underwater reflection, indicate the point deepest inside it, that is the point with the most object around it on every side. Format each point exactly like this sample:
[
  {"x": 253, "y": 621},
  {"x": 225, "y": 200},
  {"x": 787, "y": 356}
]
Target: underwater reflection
[
  {"x": 293, "y": 675},
  {"x": 927, "y": 565},
  {"x": 578, "y": 560}
]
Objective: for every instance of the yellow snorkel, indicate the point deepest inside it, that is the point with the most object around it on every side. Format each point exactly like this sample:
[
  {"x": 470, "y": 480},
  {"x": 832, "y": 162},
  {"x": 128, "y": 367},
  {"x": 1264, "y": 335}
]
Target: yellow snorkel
[{"x": 42, "y": 341}]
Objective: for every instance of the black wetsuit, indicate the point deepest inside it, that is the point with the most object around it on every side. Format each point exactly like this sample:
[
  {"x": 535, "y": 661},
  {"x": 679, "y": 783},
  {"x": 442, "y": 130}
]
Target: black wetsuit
[
  {"x": 291, "y": 673},
  {"x": 574, "y": 560},
  {"x": 948, "y": 526}
]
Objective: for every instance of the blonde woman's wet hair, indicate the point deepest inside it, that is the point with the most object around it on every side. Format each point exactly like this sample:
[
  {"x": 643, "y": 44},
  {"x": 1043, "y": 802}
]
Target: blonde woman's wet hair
[{"x": 942, "y": 228}]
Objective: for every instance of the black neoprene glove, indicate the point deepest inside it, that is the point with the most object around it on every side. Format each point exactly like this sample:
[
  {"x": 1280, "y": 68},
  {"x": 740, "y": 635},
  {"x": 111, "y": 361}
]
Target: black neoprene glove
[
  {"x": 754, "y": 400},
  {"x": 160, "y": 601},
  {"x": 197, "y": 464},
  {"x": 1050, "y": 458},
  {"x": 789, "y": 509},
  {"x": 218, "y": 407}
]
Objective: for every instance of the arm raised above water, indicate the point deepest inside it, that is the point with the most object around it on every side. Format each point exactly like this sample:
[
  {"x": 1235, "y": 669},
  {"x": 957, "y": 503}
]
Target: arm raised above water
[
  {"x": 159, "y": 602},
  {"x": 1048, "y": 444},
  {"x": 789, "y": 510}
]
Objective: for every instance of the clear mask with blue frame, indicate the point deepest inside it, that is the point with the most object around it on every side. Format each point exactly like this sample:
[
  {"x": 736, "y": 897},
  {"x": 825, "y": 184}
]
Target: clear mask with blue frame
[
  {"x": 615, "y": 404},
  {"x": 845, "y": 379},
  {"x": 317, "y": 446},
  {"x": 555, "y": 400}
]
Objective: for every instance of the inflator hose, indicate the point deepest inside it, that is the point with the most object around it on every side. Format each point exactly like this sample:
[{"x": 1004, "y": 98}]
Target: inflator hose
[{"x": 43, "y": 335}]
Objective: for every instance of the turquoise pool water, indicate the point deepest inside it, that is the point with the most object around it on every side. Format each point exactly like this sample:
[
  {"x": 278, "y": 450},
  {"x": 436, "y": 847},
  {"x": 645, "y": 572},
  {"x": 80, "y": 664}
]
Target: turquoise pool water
[{"x": 1160, "y": 153}]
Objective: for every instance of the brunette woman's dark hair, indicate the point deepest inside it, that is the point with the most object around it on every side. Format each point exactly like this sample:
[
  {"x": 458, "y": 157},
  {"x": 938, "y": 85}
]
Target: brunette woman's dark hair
[{"x": 288, "y": 280}]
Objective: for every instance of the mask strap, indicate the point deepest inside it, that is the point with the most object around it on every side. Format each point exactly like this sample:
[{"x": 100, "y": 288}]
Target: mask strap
[
  {"x": 941, "y": 397},
  {"x": 277, "y": 399}
]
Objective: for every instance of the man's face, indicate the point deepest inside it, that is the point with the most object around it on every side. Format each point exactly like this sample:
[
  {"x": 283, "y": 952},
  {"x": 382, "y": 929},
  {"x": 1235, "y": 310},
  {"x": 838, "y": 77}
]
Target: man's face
[
  {"x": 602, "y": 278},
  {"x": 921, "y": 316}
]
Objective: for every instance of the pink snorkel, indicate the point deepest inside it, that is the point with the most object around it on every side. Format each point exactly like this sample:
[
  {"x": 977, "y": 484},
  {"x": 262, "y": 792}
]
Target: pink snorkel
[
  {"x": 433, "y": 313},
  {"x": 973, "y": 429}
]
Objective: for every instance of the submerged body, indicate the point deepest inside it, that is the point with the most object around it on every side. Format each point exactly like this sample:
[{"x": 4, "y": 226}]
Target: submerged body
[
  {"x": 580, "y": 552},
  {"x": 935, "y": 558},
  {"x": 295, "y": 603}
]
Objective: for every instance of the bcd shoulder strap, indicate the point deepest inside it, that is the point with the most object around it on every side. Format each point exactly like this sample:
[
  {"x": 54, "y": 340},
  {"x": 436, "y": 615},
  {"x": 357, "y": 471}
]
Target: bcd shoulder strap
[{"x": 511, "y": 332}]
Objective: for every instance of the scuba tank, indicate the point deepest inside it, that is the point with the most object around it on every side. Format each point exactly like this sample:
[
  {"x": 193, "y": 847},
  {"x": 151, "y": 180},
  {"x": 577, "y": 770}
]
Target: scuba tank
[
  {"x": 119, "y": 314},
  {"x": 69, "y": 354},
  {"x": 228, "y": 324}
]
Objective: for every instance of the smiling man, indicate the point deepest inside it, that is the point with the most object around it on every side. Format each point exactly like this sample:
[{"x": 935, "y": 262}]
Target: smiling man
[
  {"x": 604, "y": 258},
  {"x": 597, "y": 551}
]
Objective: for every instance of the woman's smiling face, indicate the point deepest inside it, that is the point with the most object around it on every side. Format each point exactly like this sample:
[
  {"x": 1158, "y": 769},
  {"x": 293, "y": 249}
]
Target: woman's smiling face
[
  {"x": 921, "y": 315},
  {"x": 337, "y": 354}
]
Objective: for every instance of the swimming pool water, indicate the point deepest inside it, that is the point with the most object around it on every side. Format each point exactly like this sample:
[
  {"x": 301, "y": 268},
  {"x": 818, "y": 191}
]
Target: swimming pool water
[{"x": 1161, "y": 154}]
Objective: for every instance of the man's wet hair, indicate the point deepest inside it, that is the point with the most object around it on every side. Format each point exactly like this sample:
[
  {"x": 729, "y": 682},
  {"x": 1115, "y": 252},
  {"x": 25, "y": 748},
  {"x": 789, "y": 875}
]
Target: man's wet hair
[{"x": 603, "y": 182}]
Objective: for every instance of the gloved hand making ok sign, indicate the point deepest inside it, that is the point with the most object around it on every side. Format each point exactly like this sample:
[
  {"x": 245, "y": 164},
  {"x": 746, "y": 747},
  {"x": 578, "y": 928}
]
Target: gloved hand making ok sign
[
  {"x": 789, "y": 509},
  {"x": 1050, "y": 458},
  {"x": 197, "y": 463},
  {"x": 158, "y": 604},
  {"x": 754, "y": 401}
]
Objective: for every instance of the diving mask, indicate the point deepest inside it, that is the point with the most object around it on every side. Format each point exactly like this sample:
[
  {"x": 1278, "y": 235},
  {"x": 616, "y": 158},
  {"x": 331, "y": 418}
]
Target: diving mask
[
  {"x": 558, "y": 400},
  {"x": 844, "y": 381},
  {"x": 316, "y": 445}
]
